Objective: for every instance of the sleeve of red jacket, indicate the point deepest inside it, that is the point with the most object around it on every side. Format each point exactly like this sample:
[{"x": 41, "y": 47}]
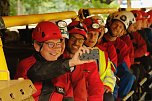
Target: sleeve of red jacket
[
  {"x": 112, "y": 54},
  {"x": 94, "y": 84},
  {"x": 40, "y": 70},
  {"x": 141, "y": 48},
  {"x": 79, "y": 84},
  {"x": 48, "y": 70},
  {"x": 125, "y": 56},
  {"x": 23, "y": 67},
  {"x": 122, "y": 52}
]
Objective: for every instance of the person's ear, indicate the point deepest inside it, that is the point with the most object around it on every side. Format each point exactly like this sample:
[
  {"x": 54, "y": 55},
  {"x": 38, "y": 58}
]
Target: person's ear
[
  {"x": 63, "y": 45},
  {"x": 36, "y": 46}
]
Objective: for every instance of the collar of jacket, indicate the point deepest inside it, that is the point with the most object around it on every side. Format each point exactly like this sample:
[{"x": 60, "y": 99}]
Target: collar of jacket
[{"x": 39, "y": 57}]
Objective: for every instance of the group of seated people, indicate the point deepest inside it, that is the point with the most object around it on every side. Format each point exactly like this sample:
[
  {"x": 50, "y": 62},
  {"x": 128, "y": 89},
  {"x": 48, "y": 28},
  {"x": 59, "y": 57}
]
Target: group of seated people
[{"x": 124, "y": 56}]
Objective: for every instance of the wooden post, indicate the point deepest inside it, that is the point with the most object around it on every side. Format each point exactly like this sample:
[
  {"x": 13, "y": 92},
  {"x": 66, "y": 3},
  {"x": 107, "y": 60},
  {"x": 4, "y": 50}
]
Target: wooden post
[{"x": 128, "y": 3}]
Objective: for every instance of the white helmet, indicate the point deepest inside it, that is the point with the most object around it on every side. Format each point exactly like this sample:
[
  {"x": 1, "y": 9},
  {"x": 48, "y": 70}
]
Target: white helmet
[
  {"x": 130, "y": 16},
  {"x": 109, "y": 19},
  {"x": 121, "y": 16}
]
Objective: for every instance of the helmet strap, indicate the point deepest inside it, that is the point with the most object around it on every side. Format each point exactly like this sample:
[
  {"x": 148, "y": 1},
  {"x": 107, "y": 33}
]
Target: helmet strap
[{"x": 41, "y": 45}]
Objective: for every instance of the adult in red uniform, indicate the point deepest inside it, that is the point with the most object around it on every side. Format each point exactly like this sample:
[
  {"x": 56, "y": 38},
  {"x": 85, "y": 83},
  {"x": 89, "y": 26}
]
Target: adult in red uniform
[
  {"x": 49, "y": 74},
  {"x": 117, "y": 23},
  {"x": 105, "y": 67},
  {"x": 126, "y": 37},
  {"x": 139, "y": 43},
  {"x": 84, "y": 77}
]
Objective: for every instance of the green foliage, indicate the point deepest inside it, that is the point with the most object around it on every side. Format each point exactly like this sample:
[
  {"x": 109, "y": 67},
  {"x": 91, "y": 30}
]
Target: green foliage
[
  {"x": 47, "y": 6},
  {"x": 13, "y": 8}
]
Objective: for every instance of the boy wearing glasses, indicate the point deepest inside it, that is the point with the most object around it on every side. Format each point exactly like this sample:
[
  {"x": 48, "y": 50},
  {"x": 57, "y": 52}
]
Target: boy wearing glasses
[
  {"x": 86, "y": 82},
  {"x": 49, "y": 74}
]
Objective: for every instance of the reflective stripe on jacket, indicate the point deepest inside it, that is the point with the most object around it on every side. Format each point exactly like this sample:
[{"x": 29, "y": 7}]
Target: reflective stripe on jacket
[{"x": 105, "y": 71}]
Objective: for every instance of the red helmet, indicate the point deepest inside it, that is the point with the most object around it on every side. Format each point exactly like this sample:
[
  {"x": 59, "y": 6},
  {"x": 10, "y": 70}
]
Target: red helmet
[
  {"x": 45, "y": 31},
  {"x": 137, "y": 14},
  {"x": 144, "y": 14},
  {"x": 92, "y": 23},
  {"x": 76, "y": 27},
  {"x": 150, "y": 15}
]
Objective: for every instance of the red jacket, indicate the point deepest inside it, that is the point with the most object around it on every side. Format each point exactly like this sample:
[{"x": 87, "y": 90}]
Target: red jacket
[
  {"x": 57, "y": 87},
  {"x": 128, "y": 41},
  {"x": 110, "y": 49},
  {"x": 86, "y": 82},
  {"x": 139, "y": 43},
  {"x": 122, "y": 51},
  {"x": 109, "y": 55}
]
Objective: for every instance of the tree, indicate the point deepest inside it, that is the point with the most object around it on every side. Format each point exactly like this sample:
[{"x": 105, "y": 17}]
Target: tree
[{"x": 47, "y": 6}]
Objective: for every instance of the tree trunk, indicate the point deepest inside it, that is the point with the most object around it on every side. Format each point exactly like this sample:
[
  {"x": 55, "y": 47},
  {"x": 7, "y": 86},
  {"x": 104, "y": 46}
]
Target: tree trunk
[{"x": 4, "y": 7}]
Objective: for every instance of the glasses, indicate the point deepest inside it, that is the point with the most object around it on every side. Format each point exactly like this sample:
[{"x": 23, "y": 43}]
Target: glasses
[
  {"x": 52, "y": 44},
  {"x": 73, "y": 38}
]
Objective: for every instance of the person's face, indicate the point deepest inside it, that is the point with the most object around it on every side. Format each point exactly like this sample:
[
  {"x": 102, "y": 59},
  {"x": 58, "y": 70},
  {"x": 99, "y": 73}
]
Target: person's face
[
  {"x": 75, "y": 42},
  {"x": 92, "y": 38},
  {"x": 117, "y": 28},
  {"x": 132, "y": 28},
  {"x": 51, "y": 49},
  {"x": 139, "y": 24},
  {"x": 149, "y": 22},
  {"x": 145, "y": 23}
]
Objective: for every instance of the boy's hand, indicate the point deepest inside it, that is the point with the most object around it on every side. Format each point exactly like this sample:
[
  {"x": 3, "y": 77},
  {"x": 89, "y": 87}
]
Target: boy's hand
[
  {"x": 76, "y": 58},
  {"x": 107, "y": 89}
]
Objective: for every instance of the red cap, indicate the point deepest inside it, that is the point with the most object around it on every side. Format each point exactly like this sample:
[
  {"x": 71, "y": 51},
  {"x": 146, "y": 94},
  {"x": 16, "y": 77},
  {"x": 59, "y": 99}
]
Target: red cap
[
  {"x": 144, "y": 14},
  {"x": 150, "y": 16},
  {"x": 89, "y": 23},
  {"x": 76, "y": 27},
  {"x": 45, "y": 31},
  {"x": 137, "y": 14},
  {"x": 149, "y": 12}
]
